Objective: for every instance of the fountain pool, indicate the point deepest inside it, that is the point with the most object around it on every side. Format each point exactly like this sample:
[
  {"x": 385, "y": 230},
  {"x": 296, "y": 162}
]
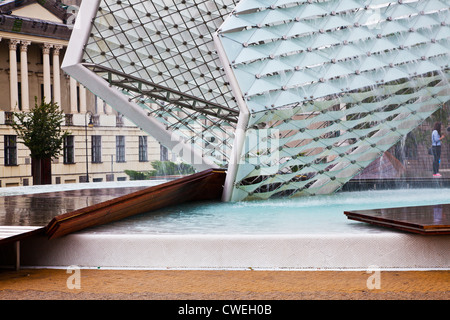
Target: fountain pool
[
  {"x": 299, "y": 233},
  {"x": 308, "y": 215}
]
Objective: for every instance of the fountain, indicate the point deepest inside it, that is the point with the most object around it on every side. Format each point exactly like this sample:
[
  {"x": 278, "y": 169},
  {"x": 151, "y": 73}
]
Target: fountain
[
  {"x": 293, "y": 98},
  {"x": 297, "y": 97}
]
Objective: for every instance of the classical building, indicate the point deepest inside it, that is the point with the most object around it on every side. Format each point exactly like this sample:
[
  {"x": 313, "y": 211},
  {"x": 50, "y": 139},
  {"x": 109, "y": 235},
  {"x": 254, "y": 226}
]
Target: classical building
[{"x": 33, "y": 40}]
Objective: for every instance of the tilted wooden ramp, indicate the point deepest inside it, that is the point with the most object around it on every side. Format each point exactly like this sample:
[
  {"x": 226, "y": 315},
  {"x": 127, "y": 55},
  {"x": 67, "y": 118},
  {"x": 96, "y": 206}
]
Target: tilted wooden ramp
[{"x": 205, "y": 185}]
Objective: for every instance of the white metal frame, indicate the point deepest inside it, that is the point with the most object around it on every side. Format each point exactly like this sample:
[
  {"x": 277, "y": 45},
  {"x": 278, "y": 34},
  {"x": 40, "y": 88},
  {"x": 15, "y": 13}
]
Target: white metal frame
[
  {"x": 72, "y": 64},
  {"x": 241, "y": 128}
]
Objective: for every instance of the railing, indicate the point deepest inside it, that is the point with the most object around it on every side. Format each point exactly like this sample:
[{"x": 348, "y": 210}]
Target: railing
[
  {"x": 69, "y": 119},
  {"x": 119, "y": 121},
  {"x": 96, "y": 120}
]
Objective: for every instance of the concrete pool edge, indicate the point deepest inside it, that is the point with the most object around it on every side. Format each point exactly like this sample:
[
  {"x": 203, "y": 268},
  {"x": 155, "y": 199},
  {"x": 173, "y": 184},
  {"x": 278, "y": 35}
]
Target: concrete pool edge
[{"x": 390, "y": 250}]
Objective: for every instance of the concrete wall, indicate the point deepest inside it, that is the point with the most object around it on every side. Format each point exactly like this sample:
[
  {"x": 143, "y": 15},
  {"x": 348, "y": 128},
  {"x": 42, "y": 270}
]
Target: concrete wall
[{"x": 387, "y": 250}]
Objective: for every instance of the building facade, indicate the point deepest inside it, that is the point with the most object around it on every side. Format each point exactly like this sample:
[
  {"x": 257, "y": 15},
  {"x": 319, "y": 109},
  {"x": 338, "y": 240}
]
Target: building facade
[{"x": 33, "y": 42}]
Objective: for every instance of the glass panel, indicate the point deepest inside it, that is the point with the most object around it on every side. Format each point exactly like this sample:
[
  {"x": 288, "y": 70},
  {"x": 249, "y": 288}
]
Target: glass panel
[{"x": 357, "y": 84}]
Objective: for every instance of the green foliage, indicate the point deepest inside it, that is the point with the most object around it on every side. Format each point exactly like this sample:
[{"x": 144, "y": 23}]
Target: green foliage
[
  {"x": 161, "y": 168},
  {"x": 167, "y": 168},
  {"x": 407, "y": 147},
  {"x": 40, "y": 130},
  {"x": 441, "y": 115},
  {"x": 419, "y": 135},
  {"x": 140, "y": 175}
]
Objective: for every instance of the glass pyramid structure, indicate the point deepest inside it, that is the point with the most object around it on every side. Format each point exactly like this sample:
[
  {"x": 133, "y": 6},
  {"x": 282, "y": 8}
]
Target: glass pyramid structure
[{"x": 293, "y": 97}]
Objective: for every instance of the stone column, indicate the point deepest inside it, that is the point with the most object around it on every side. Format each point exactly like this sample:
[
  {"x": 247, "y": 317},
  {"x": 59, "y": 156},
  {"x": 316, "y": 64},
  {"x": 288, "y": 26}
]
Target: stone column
[
  {"x": 13, "y": 86},
  {"x": 57, "y": 76},
  {"x": 100, "y": 105},
  {"x": 109, "y": 109},
  {"x": 47, "y": 75},
  {"x": 24, "y": 75},
  {"x": 73, "y": 96}
]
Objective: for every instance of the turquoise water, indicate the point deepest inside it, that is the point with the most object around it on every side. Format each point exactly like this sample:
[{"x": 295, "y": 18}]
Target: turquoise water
[{"x": 306, "y": 215}]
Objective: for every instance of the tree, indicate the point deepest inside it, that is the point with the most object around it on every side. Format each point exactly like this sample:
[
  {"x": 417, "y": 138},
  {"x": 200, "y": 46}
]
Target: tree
[{"x": 40, "y": 131}]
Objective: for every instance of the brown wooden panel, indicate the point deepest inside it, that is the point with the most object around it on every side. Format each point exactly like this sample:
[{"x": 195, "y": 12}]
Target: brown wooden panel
[{"x": 433, "y": 219}]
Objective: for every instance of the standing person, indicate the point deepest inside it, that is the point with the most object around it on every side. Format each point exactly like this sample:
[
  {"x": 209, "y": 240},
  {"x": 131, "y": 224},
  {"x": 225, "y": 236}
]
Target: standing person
[{"x": 436, "y": 138}]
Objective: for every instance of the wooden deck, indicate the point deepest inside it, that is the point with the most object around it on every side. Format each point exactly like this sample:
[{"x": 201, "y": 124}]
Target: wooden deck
[
  {"x": 426, "y": 220},
  {"x": 16, "y": 233},
  {"x": 40, "y": 208}
]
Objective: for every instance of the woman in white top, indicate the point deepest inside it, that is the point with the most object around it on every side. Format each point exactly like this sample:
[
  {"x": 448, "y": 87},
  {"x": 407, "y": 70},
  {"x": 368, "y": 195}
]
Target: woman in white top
[{"x": 436, "y": 138}]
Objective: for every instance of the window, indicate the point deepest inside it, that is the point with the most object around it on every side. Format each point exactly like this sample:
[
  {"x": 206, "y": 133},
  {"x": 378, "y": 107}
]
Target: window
[
  {"x": 42, "y": 92},
  {"x": 163, "y": 153},
  {"x": 10, "y": 150},
  {"x": 78, "y": 100},
  {"x": 19, "y": 102},
  {"x": 120, "y": 148},
  {"x": 143, "y": 154},
  {"x": 96, "y": 149},
  {"x": 69, "y": 150}
]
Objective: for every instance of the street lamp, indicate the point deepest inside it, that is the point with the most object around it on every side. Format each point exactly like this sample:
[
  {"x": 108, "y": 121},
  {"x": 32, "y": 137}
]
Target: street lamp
[{"x": 86, "y": 125}]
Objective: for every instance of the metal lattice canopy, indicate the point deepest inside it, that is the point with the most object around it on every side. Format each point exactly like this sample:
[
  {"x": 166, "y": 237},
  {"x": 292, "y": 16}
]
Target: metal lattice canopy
[
  {"x": 162, "y": 71},
  {"x": 307, "y": 93}
]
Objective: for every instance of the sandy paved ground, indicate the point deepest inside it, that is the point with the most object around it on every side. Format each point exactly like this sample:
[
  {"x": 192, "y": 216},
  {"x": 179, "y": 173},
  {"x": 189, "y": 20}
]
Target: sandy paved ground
[{"x": 44, "y": 284}]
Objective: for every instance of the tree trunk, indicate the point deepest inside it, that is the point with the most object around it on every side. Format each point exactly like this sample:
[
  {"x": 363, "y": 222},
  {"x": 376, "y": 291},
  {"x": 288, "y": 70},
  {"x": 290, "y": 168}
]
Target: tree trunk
[{"x": 41, "y": 170}]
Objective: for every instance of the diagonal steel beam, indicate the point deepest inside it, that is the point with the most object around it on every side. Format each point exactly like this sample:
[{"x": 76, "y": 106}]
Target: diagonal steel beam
[{"x": 162, "y": 93}]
